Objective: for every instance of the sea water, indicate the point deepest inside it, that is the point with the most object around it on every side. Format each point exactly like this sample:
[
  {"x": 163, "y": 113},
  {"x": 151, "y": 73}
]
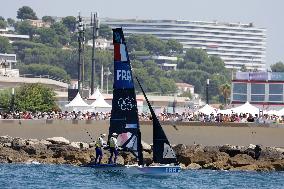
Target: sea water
[{"x": 67, "y": 176}]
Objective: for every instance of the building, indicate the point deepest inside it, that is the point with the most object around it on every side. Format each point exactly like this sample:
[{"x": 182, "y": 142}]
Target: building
[
  {"x": 164, "y": 62},
  {"x": 39, "y": 23},
  {"x": 6, "y": 65},
  {"x": 237, "y": 44},
  {"x": 185, "y": 87},
  {"x": 101, "y": 43},
  {"x": 12, "y": 37},
  {"x": 259, "y": 88}
]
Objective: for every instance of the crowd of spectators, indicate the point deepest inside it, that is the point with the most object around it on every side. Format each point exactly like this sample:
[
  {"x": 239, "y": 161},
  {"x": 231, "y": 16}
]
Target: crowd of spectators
[{"x": 184, "y": 117}]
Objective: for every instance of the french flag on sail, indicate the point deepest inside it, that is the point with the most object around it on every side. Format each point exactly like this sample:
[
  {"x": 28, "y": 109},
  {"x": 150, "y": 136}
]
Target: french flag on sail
[{"x": 120, "y": 52}]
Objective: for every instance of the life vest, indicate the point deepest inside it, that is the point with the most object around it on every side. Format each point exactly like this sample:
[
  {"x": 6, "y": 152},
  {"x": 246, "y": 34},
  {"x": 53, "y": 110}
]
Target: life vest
[
  {"x": 99, "y": 142},
  {"x": 112, "y": 142}
]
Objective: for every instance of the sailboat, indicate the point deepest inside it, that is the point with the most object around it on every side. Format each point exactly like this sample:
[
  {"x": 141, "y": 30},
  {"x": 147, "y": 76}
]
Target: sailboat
[{"x": 125, "y": 121}]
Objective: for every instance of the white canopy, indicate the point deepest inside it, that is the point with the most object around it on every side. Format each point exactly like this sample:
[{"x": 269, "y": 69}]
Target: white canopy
[
  {"x": 100, "y": 103},
  {"x": 96, "y": 94},
  {"x": 77, "y": 102},
  {"x": 246, "y": 108},
  {"x": 280, "y": 112},
  {"x": 207, "y": 110},
  {"x": 227, "y": 111}
]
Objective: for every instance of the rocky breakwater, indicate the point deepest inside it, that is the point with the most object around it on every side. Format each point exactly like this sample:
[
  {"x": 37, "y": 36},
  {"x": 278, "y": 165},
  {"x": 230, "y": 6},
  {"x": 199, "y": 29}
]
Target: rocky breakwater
[
  {"x": 228, "y": 157},
  {"x": 58, "y": 150}
]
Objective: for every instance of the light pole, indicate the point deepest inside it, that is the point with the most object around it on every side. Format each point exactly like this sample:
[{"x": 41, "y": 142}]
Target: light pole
[
  {"x": 207, "y": 92},
  {"x": 81, "y": 39},
  {"x": 95, "y": 25},
  {"x": 108, "y": 73}
]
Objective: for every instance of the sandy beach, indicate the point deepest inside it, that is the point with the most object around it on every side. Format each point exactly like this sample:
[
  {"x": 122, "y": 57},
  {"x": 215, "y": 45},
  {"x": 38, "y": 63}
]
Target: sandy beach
[{"x": 183, "y": 133}]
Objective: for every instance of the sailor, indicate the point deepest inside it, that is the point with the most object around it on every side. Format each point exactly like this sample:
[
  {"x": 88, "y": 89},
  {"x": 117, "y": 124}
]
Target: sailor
[
  {"x": 100, "y": 143},
  {"x": 113, "y": 147}
]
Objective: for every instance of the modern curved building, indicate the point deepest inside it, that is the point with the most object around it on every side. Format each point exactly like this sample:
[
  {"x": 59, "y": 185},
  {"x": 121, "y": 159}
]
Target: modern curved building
[{"x": 237, "y": 44}]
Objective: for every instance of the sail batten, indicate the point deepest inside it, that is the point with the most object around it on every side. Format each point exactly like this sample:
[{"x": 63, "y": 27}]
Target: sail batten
[{"x": 124, "y": 114}]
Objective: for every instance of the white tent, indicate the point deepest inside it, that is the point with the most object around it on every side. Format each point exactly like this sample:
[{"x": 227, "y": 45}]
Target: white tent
[
  {"x": 246, "y": 108},
  {"x": 207, "y": 110},
  {"x": 100, "y": 103},
  {"x": 77, "y": 104},
  {"x": 95, "y": 95},
  {"x": 280, "y": 112},
  {"x": 227, "y": 111}
]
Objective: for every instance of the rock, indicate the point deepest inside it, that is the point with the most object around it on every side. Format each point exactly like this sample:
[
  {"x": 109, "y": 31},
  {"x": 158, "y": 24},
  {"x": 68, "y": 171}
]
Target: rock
[
  {"x": 32, "y": 141},
  {"x": 79, "y": 145},
  {"x": 148, "y": 158},
  {"x": 45, "y": 142},
  {"x": 9, "y": 155},
  {"x": 146, "y": 147},
  {"x": 252, "y": 167},
  {"x": 211, "y": 149},
  {"x": 278, "y": 165},
  {"x": 241, "y": 160},
  {"x": 6, "y": 139},
  {"x": 270, "y": 153},
  {"x": 7, "y": 144},
  {"x": 37, "y": 149},
  {"x": 18, "y": 143},
  {"x": 202, "y": 158},
  {"x": 218, "y": 165},
  {"x": 232, "y": 150},
  {"x": 194, "y": 166},
  {"x": 58, "y": 140},
  {"x": 180, "y": 148}
]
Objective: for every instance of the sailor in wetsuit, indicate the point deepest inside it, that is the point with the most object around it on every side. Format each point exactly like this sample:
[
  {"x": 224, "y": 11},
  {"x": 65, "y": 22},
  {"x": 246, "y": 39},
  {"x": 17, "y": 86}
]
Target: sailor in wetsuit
[
  {"x": 113, "y": 147},
  {"x": 100, "y": 143}
]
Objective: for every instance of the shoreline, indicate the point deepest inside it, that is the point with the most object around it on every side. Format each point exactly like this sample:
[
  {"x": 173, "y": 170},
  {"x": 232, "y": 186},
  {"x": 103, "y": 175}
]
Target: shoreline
[
  {"x": 58, "y": 150},
  {"x": 188, "y": 133}
]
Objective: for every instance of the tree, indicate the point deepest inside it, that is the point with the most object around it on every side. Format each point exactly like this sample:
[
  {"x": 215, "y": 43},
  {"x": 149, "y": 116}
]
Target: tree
[
  {"x": 48, "y": 19},
  {"x": 5, "y": 46},
  {"x": 225, "y": 91},
  {"x": 35, "y": 97},
  {"x": 26, "y": 12},
  {"x": 2, "y": 18},
  {"x": 173, "y": 46},
  {"x": 70, "y": 23},
  {"x": 25, "y": 28},
  {"x": 61, "y": 32},
  {"x": 3, "y": 24},
  {"x": 48, "y": 36},
  {"x": 11, "y": 22},
  {"x": 5, "y": 99},
  {"x": 277, "y": 67},
  {"x": 196, "y": 55},
  {"x": 105, "y": 31}
]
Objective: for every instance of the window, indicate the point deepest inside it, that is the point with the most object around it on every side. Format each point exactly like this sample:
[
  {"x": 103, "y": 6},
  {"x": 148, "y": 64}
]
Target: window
[
  {"x": 258, "y": 89},
  {"x": 257, "y": 98},
  {"x": 240, "y": 97},
  {"x": 275, "y": 98},
  {"x": 275, "y": 89},
  {"x": 240, "y": 88}
]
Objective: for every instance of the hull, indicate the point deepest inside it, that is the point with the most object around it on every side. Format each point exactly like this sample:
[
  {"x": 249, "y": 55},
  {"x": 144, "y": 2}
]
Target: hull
[
  {"x": 155, "y": 170},
  {"x": 135, "y": 169},
  {"x": 106, "y": 168}
]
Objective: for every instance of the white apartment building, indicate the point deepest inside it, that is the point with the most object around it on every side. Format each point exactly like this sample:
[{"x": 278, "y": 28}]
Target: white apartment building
[{"x": 237, "y": 44}]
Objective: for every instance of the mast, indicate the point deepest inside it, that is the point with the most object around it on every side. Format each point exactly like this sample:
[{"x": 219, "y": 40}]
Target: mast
[{"x": 95, "y": 26}]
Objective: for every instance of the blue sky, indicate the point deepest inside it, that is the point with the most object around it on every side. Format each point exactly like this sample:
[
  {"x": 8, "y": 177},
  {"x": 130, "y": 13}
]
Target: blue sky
[{"x": 263, "y": 13}]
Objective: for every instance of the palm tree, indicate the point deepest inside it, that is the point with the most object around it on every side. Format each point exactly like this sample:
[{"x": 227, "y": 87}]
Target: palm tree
[{"x": 225, "y": 91}]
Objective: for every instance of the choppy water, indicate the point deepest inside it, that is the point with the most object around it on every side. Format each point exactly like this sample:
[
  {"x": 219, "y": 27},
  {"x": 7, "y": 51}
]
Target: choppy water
[{"x": 65, "y": 176}]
